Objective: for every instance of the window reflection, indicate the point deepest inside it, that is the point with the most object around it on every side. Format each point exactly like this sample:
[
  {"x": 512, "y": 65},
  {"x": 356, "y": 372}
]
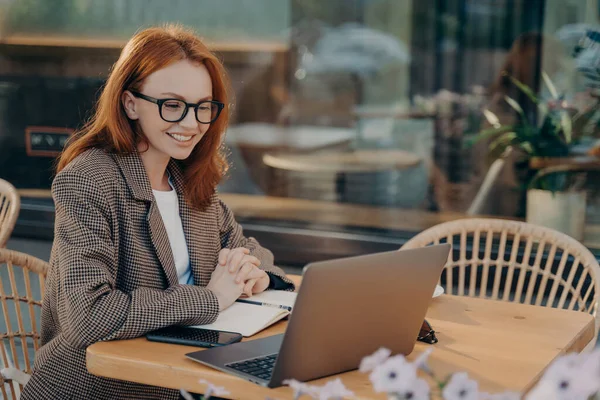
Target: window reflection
[{"x": 360, "y": 102}]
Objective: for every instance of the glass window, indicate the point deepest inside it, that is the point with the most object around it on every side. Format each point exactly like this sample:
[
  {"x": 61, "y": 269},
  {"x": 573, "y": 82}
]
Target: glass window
[{"x": 356, "y": 117}]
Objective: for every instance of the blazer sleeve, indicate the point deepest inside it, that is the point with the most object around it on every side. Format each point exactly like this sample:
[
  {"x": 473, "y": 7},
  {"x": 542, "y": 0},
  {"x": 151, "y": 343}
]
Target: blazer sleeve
[
  {"x": 232, "y": 236},
  {"x": 91, "y": 308}
]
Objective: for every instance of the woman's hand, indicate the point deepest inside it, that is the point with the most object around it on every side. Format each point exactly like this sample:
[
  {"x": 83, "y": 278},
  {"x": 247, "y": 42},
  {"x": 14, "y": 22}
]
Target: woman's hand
[
  {"x": 245, "y": 268},
  {"x": 255, "y": 280},
  {"x": 237, "y": 272},
  {"x": 224, "y": 286},
  {"x": 235, "y": 259}
]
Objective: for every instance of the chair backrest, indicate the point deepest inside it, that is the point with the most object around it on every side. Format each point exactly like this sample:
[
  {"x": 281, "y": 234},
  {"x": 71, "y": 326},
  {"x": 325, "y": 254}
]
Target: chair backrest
[
  {"x": 22, "y": 280},
  {"x": 10, "y": 204},
  {"x": 515, "y": 261}
]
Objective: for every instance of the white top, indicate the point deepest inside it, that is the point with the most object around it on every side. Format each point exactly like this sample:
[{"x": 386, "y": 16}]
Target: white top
[{"x": 168, "y": 205}]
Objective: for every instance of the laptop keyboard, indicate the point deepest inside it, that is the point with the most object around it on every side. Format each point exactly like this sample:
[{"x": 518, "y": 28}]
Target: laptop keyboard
[{"x": 261, "y": 367}]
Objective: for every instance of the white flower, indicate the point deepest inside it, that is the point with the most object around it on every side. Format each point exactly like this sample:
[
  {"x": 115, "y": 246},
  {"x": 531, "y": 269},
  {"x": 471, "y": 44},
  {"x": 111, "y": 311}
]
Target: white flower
[
  {"x": 500, "y": 396},
  {"x": 212, "y": 390},
  {"x": 572, "y": 360},
  {"x": 370, "y": 362},
  {"x": 573, "y": 376},
  {"x": 590, "y": 366},
  {"x": 395, "y": 375},
  {"x": 419, "y": 391},
  {"x": 334, "y": 389},
  {"x": 300, "y": 388},
  {"x": 421, "y": 361},
  {"x": 544, "y": 390},
  {"x": 460, "y": 387}
]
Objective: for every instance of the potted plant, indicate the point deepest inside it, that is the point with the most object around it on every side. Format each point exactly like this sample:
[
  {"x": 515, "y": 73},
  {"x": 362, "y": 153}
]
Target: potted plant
[{"x": 555, "y": 197}]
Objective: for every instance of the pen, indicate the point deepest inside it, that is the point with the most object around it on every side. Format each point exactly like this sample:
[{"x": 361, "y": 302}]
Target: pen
[{"x": 265, "y": 304}]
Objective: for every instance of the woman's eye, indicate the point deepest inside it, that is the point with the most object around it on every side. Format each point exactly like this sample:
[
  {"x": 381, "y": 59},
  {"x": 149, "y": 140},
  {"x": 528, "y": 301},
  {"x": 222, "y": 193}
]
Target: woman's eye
[{"x": 173, "y": 105}]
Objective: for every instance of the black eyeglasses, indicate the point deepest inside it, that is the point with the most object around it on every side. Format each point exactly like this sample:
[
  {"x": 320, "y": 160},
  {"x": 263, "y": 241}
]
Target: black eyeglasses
[
  {"x": 175, "y": 110},
  {"x": 427, "y": 334}
]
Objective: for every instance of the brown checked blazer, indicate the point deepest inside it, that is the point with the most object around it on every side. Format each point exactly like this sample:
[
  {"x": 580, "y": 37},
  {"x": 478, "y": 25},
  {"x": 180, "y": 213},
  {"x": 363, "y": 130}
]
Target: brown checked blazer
[{"x": 112, "y": 273}]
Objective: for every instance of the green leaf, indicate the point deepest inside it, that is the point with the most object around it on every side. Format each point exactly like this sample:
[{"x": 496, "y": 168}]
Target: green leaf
[
  {"x": 549, "y": 127},
  {"x": 515, "y": 106},
  {"x": 527, "y": 147},
  {"x": 524, "y": 88},
  {"x": 566, "y": 124},
  {"x": 492, "y": 118},
  {"x": 499, "y": 146},
  {"x": 507, "y": 137},
  {"x": 487, "y": 133},
  {"x": 543, "y": 112},
  {"x": 550, "y": 85}
]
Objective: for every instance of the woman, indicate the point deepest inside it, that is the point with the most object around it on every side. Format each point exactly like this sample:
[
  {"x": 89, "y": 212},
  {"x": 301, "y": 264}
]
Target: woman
[{"x": 141, "y": 239}]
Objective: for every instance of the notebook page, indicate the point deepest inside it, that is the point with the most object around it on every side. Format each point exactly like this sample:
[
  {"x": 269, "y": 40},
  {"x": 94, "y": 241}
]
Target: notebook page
[
  {"x": 277, "y": 297},
  {"x": 246, "y": 319}
]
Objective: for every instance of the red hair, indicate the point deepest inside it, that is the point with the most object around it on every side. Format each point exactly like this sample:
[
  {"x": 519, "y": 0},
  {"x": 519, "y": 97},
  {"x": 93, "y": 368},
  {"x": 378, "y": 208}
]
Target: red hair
[{"x": 146, "y": 52}]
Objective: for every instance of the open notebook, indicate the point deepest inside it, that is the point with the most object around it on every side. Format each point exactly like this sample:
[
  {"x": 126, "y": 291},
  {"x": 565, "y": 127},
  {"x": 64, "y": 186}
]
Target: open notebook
[{"x": 251, "y": 315}]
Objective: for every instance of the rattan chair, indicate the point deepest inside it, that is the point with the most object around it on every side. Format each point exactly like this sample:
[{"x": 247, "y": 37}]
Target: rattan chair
[
  {"x": 21, "y": 290},
  {"x": 515, "y": 261},
  {"x": 10, "y": 204}
]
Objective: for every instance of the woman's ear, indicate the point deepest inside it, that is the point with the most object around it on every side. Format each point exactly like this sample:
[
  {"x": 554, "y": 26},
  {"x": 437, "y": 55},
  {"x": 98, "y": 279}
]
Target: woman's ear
[{"x": 129, "y": 105}]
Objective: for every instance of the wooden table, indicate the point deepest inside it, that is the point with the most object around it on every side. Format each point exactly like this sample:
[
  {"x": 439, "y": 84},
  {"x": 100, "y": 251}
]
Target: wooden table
[
  {"x": 362, "y": 161},
  {"x": 253, "y": 140},
  {"x": 370, "y": 176},
  {"x": 265, "y": 137},
  {"x": 501, "y": 345}
]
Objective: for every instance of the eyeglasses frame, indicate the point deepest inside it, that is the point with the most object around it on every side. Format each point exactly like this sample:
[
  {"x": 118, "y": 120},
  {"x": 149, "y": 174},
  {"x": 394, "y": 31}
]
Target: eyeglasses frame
[{"x": 160, "y": 102}]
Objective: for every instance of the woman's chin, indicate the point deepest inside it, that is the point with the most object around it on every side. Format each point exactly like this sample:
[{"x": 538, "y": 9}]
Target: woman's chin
[{"x": 181, "y": 155}]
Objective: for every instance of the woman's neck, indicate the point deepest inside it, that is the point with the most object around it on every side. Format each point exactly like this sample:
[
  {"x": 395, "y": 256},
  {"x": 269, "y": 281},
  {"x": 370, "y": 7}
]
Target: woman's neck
[{"x": 156, "y": 167}]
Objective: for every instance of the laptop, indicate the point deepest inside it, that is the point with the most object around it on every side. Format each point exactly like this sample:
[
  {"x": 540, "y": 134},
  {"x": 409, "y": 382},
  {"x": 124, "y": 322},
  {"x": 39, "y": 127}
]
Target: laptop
[{"x": 346, "y": 309}]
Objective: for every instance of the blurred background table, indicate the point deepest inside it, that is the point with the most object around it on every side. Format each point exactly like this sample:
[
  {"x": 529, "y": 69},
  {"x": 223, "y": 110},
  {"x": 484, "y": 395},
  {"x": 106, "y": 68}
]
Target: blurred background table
[{"x": 377, "y": 177}]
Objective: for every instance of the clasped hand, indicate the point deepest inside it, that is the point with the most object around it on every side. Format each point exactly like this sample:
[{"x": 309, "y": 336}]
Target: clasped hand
[{"x": 236, "y": 273}]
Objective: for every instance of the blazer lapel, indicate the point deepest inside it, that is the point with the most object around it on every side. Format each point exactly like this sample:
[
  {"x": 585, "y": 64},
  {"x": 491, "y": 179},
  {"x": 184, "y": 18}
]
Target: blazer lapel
[
  {"x": 139, "y": 185},
  {"x": 202, "y": 245},
  {"x": 160, "y": 240}
]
